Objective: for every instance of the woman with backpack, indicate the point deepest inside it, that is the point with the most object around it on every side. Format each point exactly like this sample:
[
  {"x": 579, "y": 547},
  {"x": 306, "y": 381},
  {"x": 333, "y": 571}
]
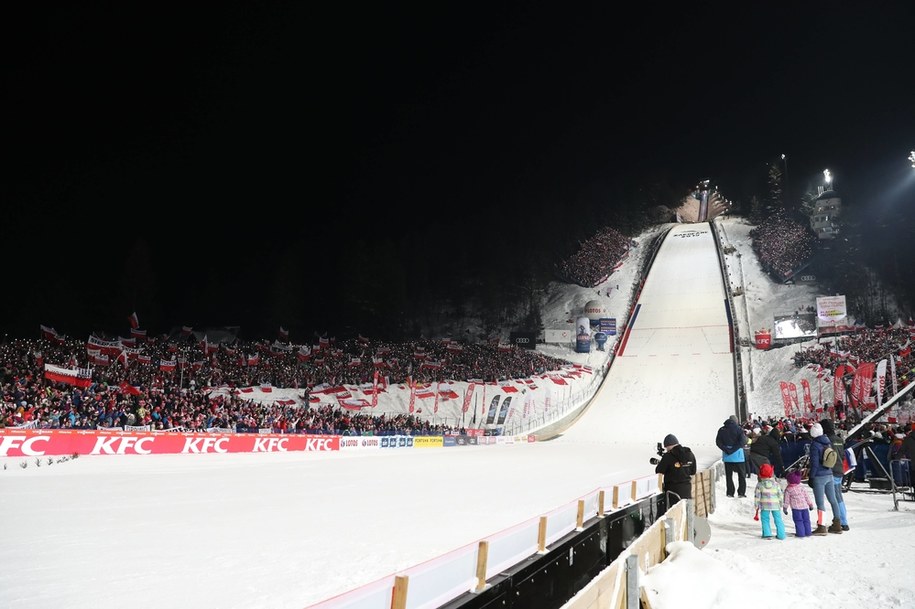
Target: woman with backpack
[{"x": 821, "y": 479}]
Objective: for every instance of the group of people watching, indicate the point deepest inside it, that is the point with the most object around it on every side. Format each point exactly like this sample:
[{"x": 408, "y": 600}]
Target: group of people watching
[
  {"x": 864, "y": 345},
  {"x": 595, "y": 258},
  {"x": 757, "y": 446},
  {"x": 782, "y": 245},
  {"x": 135, "y": 392}
]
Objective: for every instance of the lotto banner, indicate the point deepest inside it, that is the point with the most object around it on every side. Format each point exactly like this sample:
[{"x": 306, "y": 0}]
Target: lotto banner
[{"x": 40, "y": 443}]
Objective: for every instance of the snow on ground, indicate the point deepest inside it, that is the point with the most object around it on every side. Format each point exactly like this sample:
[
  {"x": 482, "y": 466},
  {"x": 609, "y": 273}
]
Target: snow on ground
[{"x": 287, "y": 530}]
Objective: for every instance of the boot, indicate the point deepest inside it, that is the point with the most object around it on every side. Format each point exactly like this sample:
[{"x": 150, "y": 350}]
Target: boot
[
  {"x": 836, "y": 526},
  {"x": 820, "y": 530}
]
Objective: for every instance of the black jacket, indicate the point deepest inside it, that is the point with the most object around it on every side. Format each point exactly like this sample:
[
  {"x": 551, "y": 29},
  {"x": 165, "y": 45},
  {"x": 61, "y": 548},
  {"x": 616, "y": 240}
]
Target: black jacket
[
  {"x": 768, "y": 446},
  {"x": 677, "y": 465},
  {"x": 730, "y": 437}
]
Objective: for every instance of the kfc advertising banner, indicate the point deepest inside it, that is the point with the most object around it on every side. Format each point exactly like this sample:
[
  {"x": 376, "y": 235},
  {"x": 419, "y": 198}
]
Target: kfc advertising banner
[{"x": 40, "y": 443}]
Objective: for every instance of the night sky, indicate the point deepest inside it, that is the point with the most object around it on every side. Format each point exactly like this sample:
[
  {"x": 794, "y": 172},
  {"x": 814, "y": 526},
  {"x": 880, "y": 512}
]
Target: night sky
[{"x": 258, "y": 165}]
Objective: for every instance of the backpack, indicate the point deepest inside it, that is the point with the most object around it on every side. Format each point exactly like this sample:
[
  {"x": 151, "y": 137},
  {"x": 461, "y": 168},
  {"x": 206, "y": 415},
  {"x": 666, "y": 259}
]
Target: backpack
[{"x": 830, "y": 457}]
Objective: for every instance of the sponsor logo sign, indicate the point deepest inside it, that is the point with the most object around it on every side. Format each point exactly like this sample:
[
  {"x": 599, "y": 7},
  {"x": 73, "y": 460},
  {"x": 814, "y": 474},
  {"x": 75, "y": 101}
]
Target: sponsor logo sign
[
  {"x": 39, "y": 443},
  {"x": 428, "y": 442}
]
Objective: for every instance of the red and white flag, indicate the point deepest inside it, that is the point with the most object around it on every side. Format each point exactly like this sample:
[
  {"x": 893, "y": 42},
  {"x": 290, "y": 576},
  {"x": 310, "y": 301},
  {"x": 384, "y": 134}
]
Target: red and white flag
[
  {"x": 167, "y": 365},
  {"x": 129, "y": 389},
  {"x": 137, "y": 333},
  {"x": 254, "y": 360},
  {"x": 283, "y": 333},
  {"x": 468, "y": 393},
  {"x": 375, "y": 389},
  {"x": 808, "y": 401},
  {"x": 48, "y": 332},
  {"x": 133, "y": 320},
  {"x": 108, "y": 347},
  {"x": 79, "y": 377},
  {"x": 186, "y": 330}
]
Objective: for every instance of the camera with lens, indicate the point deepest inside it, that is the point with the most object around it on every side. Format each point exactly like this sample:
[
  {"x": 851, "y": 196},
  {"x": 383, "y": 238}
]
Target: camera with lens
[{"x": 655, "y": 460}]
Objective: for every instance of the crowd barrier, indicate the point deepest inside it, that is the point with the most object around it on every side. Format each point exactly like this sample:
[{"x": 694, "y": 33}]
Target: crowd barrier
[
  {"x": 466, "y": 570},
  {"x": 21, "y": 442}
]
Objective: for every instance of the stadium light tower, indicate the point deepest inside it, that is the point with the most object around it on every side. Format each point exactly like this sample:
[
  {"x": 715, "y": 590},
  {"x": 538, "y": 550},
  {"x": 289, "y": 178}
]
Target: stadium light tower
[
  {"x": 828, "y": 177},
  {"x": 912, "y": 158},
  {"x": 785, "y": 161}
]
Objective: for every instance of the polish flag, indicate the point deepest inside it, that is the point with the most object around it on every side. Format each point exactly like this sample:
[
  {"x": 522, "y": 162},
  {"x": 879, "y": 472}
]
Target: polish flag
[
  {"x": 283, "y": 333},
  {"x": 167, "y": 365},
  {"x": 129, "y": 389},
  {"x": 133, "y": 320},
  {"x": 186, "y": 330},
  {"x": 137, "y": 333},
  {"x": 80, "y": 377},
  {"x": 48, "y": 332}
]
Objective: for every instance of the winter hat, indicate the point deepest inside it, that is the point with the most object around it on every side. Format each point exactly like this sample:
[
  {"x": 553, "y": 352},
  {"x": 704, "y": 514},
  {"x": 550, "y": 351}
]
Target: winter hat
[
  {"x": 765, "y": 471},
  {"x": 794, "y": 478},
  {"x": 816, "y": 430},
  {"x": 828, "y": 428},
  {"x": 670, "y": 440}
]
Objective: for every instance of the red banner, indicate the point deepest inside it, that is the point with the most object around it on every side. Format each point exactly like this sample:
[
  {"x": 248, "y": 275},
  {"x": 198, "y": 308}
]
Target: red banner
[
  {"x": 792, "y": 391},
  {"x": 468, "y": 393},
  {"x": 861, "y": 386},
  {"x": 786, "y": 399},
  {"x": 838, "y": 388},
  {"x": 808, "y": 402},
  {"x": 39, "y": 443}
]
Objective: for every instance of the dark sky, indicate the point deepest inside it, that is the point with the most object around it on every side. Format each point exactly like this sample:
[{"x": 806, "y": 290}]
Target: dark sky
[{"x": 159, "y": 159}]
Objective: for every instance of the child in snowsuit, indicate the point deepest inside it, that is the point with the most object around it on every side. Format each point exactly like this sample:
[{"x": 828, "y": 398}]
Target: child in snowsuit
[
  {"x": 798, "y": 498},
  {"x": 768, "y": 499}
]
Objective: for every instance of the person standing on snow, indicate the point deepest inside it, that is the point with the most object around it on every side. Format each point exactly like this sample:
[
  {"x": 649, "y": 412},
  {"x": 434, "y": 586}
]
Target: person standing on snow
[
  {"x": 678, "y": 465},
  {"x": 731, "y": 439}
]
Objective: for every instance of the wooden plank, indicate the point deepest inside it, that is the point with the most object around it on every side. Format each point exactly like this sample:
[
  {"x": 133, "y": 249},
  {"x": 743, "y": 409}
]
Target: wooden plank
[
  {"x": 399, "y": 594},
  {"x": 541, "y": 535},
  {"x": 482, "y": 562}
]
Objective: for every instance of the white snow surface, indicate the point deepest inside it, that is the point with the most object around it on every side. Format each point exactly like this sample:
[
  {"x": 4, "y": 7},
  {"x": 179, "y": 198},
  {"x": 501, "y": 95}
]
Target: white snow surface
[{"x": 286, "y": 530}]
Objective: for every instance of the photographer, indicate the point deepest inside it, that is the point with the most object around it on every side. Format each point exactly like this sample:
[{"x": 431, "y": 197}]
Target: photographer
[{"x": 678, "y": 465}]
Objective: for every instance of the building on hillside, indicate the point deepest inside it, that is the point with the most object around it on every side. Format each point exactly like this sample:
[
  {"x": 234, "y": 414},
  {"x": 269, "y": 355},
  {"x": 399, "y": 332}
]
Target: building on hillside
[{"x": 826, "y": 212}]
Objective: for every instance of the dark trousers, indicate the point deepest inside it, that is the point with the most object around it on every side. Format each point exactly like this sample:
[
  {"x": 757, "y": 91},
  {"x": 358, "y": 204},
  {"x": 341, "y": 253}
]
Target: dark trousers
[
  {"x": 683, "y": 490},
  {"x": 801, "y": 520},
  {"x": 735, "y": 468}
]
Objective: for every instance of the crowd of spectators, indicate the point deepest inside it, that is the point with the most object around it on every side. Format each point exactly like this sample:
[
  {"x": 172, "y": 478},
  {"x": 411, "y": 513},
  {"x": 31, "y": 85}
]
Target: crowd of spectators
[
  {"x": 864, "y": 345},
  {"x": 782, "y": 245},
  {"x": 135, "y": 390},
  {"x": 595, "y": 258}
]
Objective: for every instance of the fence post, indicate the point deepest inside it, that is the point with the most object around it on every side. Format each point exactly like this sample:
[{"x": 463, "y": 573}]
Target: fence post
[
  {"x": 580, "y": 517},
  {"x": 632, "y": 582},
  {"x": 690, "y": 521},
  {"x": 668, "y": 535},
  {"x": 482, "y": 560},
  {"x": 541, "y": 536},
  {"x": 399, "y": 595},
  {"x": 600, "y": 504}
]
